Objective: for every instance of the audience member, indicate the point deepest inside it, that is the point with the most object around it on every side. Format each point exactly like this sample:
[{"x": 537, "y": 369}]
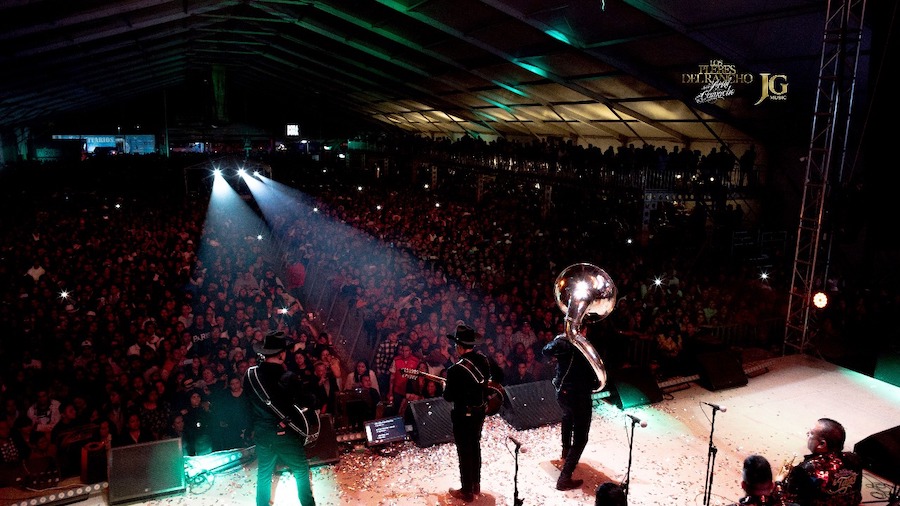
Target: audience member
[
  {"x": 44, "y": 413},
  {"x": 199, "y": 425},
  {"x": 325, "y": 387},
  {"x": 520, "y": 376},
  {"x": 11, "y": 449},
  {"x": 231, "y": 420},
  {"x": 384, "y": 359},
  {"x": 360, "y": 371},
  {"x": 400, "y": 382},
  {"x": 133, "y": 433}
]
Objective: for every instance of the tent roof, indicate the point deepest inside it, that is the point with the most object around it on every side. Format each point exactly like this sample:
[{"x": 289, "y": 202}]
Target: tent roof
[{"x": 610, "y": 71}]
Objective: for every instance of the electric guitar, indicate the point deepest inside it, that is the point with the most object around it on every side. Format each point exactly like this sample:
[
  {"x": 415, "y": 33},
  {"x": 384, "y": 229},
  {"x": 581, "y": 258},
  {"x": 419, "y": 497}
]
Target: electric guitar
[
  {"x": 494, "y": 394},
  {"x": 304, "y": 421}
]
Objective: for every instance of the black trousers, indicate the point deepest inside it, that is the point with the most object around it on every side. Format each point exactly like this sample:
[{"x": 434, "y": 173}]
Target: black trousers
[
  {"x": 576, "y": 424},
  {"x": 467, "y": 424}
]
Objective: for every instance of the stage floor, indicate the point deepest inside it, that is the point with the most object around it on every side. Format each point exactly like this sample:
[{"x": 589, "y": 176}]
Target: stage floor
[{"x": 770, "y": 416}]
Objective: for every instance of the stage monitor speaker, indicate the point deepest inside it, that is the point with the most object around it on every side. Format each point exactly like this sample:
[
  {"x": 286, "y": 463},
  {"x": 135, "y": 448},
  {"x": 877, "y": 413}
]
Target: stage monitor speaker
[
  {"x": 531, "y": 405},
  {"x": 880, "y": 453},
  {"x": 326, "y": 450},
  {"x": 431, "y": 422},
  {"x": 146, "y": 470},
  {"x": 634, "y": 386},
  {"x": 721, "y": 369}
]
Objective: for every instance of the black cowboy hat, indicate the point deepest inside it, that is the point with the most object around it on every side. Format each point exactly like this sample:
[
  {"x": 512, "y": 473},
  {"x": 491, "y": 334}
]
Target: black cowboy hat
[
  {"x": 273, "y": 344},
  {"x": 465, "y": 336}
]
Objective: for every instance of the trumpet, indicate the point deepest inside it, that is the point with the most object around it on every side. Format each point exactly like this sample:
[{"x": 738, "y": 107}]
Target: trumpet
[
  {"x": 786, "y": 467},
  {"x": 582, "y": 289}
]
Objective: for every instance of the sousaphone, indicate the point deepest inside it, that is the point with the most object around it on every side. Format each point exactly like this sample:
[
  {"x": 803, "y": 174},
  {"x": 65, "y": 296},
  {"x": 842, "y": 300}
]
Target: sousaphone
[{"x": 582, "y": 289}]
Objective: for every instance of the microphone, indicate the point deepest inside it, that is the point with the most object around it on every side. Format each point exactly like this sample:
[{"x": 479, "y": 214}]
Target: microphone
[
  {"x": 637, "y": 420},
  {"x": 517, "y": 443},
  {"x": 716, "y": 406}
]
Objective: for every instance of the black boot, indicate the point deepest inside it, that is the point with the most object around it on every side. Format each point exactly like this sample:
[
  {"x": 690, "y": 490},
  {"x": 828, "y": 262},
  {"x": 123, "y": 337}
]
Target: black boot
[
  {"x": 462, "y": 495},
  {"x": 565, "y": 482}
]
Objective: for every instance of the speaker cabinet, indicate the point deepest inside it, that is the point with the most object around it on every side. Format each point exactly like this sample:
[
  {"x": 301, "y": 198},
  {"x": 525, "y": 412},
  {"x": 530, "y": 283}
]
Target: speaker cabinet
[
  {"x": 531, "y": 405},
  {"x": 146, "y": 470},
  {"x": 634, "y": 386},
  {"x": 326, "y": 450},
  {"x": 880, "y": 453},
  {"x": 431, "y": 422},
  {"x": 721, "y": 369}
]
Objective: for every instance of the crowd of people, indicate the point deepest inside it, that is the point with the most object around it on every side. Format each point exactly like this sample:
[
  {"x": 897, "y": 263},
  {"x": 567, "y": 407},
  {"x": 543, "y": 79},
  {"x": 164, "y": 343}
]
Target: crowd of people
[
  {"x": 736, "y": 166},
  {"x": 126, "y": 320}
]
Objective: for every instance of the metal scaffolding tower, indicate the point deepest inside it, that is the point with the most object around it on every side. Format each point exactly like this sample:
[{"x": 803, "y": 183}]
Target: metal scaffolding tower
[{"x": 825, "y": 164}]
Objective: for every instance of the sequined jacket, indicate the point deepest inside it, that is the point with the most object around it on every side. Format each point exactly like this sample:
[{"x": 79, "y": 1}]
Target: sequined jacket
[
  {"x": 774, "y": 499},
  {"x": 829, "y": 479}
]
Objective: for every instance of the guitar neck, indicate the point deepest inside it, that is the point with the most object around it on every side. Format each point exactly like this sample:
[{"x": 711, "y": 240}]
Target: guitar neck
[{"x": 412, "y": 373}]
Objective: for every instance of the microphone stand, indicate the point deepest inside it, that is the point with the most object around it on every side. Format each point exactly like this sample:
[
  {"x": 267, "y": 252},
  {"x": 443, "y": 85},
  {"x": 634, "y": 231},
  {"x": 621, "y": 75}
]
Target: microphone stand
[
  {"x": 516, "y": 500},
  {"x": 627, "y": 481},
  {"x": 710, "y": 462}
]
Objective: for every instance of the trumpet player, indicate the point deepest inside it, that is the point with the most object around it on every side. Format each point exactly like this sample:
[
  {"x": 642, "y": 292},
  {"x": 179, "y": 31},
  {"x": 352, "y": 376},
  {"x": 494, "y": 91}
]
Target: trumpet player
[
  {"x": 828, "y": 476},
  {"x": 758, "y": 485}
]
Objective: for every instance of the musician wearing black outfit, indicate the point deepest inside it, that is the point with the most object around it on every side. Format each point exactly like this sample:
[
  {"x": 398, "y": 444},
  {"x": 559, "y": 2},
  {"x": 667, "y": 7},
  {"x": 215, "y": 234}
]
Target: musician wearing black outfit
[
  {"x": 275, "y": 440},
  {"x": 758, "y": 484},
  {"x": 574, "y": 381},
  {"x": 465, "y": 389}
]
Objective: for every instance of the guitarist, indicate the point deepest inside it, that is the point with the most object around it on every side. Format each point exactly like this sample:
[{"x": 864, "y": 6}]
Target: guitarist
[
  {"x": 465, "y": 389},
  {"x": 275, "y": 441}
]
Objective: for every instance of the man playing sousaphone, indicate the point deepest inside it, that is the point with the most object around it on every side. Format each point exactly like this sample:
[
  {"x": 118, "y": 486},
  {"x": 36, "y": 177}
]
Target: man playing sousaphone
[
  {"x": 574, "y": 382},
  {"x": 580, "y": 290}
]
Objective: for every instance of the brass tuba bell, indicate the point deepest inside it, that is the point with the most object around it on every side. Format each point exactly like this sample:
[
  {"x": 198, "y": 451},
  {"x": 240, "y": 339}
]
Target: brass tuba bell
[{"x": 582, "y": 289}]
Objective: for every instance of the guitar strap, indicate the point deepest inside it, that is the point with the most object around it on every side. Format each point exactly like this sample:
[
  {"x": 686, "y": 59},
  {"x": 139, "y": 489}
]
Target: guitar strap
[
  {"x": 260, "y": 391},
  {"x": 473, "y": 370}
]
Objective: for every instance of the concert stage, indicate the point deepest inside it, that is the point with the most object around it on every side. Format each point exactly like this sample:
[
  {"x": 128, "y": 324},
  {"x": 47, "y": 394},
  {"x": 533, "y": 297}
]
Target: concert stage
[{"x": 769, "y": 415}]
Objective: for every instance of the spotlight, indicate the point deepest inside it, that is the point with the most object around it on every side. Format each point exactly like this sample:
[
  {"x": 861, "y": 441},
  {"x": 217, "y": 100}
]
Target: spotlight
[
  {"x": 283, "y": 310},
  {"x": 64, "y": 295},
  {"x": 217, "y": 172},
  {"x": 256, "y": 173},
  {"x": 259, "y": 237},
  {"x": 764, "y": 276},
  {"x": 242, "y": 172},
  {"x": 820, "y": 300},
  {"x": 657, "y": 281}
]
